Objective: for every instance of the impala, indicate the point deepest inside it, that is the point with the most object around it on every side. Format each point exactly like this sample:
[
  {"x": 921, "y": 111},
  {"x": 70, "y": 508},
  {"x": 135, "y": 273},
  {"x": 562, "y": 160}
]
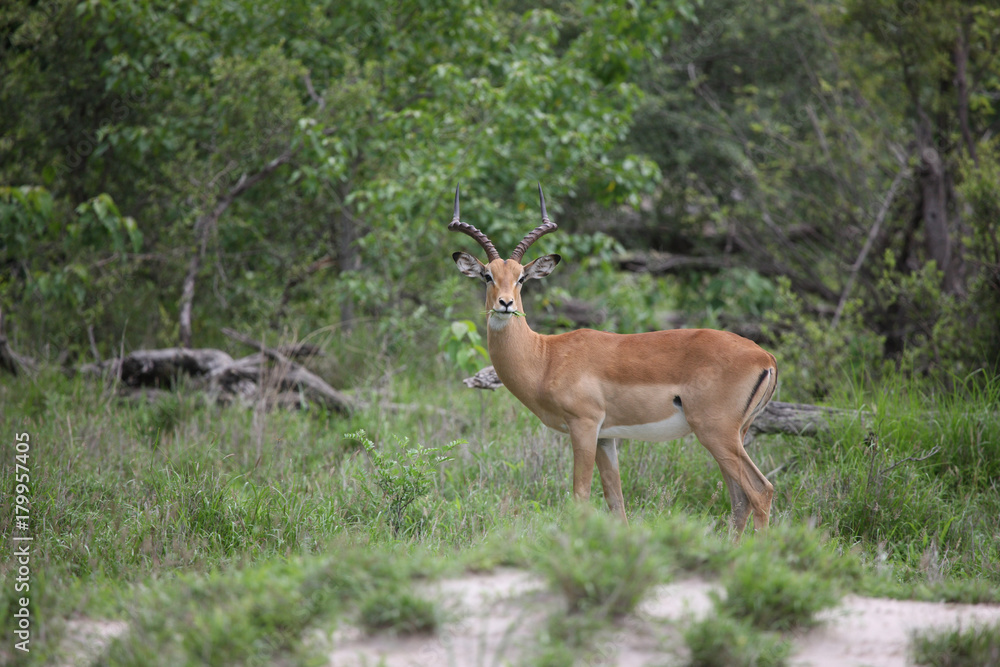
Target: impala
[{"x": 600, "y": 387}]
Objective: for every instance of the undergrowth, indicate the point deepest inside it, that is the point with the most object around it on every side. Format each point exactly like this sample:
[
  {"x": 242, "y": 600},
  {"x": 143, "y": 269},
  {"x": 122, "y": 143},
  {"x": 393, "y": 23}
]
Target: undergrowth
[
  {"x": 126, "y": 497},
  {"x": 976, "y": 646}
]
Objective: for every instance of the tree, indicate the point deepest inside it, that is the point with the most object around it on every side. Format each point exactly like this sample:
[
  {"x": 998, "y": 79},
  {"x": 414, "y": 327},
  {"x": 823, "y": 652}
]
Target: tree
[
  {"x": 252, "y": 142},
  {"x": 827, "y": 144}
]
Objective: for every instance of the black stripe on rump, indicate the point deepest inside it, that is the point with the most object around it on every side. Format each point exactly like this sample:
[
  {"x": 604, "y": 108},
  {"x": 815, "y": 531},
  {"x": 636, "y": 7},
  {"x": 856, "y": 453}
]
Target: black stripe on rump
[{"x": 763, "y": 376}]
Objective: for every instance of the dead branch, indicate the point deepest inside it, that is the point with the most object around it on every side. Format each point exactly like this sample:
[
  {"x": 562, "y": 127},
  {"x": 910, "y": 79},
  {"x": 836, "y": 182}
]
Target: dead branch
[
  {"x": 293, "y": 351},
  {"x": 866, "y": 248},
  {"x": 202, "y": 230},
  {"x": 267, "y": 376}
]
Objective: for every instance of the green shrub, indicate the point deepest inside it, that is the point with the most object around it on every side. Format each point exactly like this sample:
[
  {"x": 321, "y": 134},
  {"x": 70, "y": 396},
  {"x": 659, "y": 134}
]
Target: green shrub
[
  {"x": 600, "y": 564},
  {"x": 978, "y": 646},
  {"x": 254, "y": 616},
  {"x": 771, "y": 596},
  {"x": 779, "y": 582},
  {"x": 691, "y": 545},
  {"x": 400, "y": 611},
  {"x": 567, "y": 638},
  {"x": 723, "y": 641},
  {"x": 403, "y": 480}
]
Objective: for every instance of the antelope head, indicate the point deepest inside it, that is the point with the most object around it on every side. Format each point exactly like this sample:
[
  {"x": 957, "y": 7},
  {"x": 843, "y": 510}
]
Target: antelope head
[{"x": 504, "y": 278}]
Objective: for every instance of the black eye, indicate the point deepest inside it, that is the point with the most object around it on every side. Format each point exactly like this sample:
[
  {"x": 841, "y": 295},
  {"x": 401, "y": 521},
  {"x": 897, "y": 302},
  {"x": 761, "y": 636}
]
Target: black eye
[
  {"x": 520, "y": 281},
  {"x": 488, "y": 278}
]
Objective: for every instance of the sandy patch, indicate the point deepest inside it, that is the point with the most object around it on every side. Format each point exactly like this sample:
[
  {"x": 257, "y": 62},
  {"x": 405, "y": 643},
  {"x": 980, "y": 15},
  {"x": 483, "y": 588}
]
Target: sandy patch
[
  {"x": 86, "y": 639},
  {"x": 877, "y": 631},
  {"x": 493, "y": 617},
  {"x": 498, "y": 615}
]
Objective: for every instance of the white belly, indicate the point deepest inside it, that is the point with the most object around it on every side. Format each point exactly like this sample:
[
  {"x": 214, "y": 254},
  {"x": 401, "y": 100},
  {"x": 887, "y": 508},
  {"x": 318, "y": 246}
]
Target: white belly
[{"x": 661, "y": 431}]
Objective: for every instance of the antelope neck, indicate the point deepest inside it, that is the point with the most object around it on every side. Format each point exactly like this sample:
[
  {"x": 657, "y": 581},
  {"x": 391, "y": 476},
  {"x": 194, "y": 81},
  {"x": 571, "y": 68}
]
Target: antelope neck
[{"x": 517, "y": 353}]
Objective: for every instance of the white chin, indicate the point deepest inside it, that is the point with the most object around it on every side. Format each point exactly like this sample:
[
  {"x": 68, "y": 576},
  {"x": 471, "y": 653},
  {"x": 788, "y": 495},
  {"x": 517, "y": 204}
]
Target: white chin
[{"x": 498, "y": 320}]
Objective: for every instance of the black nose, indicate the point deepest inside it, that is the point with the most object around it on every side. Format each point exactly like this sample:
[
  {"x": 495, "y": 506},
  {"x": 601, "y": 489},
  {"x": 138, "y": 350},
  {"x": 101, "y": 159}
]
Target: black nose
[{"x": 505, "y": 304}]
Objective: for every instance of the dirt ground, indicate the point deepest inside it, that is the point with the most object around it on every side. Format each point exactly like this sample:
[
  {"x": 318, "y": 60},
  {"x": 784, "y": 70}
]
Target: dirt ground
[
  {"x": 495, "y": 616},
  {"x": 493, "y": 619}
]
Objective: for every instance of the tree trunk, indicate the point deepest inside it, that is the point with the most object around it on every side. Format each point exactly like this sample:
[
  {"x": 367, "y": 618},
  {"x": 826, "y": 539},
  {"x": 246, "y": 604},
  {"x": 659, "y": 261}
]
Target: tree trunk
[{"x": 934, "y": 212}]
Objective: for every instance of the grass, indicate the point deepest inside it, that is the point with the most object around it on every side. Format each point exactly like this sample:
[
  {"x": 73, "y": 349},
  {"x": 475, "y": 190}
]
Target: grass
[
  {"x": 400, "y": 611},
  {"x": 977, "y": 646},
  {"x": 600, "y": 565},
  {"x": 723, "y": 641},
  {"x": 781, "y": 582},
  {"x": 143, "y": 512}
]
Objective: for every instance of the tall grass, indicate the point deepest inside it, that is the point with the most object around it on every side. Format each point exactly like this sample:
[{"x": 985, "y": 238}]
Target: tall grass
[{"x": 125, "y": 491}]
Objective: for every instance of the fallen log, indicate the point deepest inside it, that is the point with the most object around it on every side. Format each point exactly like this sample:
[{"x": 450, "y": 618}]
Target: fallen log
[
  {"x": 798, "y": 418},
  {"x": 161, "y": 368},
  {"x": 282, "y": 380},
  {"x": 267, "y": 376}
]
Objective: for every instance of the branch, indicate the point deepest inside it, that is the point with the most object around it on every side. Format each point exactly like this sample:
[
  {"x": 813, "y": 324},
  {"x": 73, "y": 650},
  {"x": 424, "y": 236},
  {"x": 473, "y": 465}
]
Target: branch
[
  {"x": 320, "y": 102},
  {"x": 281, "y": 354},
  {"x": 931, "y": 452},
  {"x": 866, "y": 248},
  {"x": 961, "y": 57},
  {"x": 202, "y": 229}
]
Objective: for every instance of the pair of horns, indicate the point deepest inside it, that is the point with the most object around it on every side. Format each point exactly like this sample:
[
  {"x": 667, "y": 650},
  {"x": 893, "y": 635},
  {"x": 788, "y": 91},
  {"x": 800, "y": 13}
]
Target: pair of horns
[{"x": 547, "y": 226}]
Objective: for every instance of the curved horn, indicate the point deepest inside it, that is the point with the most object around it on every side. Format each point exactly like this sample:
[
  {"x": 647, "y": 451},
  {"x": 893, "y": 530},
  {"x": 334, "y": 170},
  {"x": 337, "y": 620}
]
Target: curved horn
[
  {"x": 544, "y": 228},
  {"x": 457, "y": 225}
]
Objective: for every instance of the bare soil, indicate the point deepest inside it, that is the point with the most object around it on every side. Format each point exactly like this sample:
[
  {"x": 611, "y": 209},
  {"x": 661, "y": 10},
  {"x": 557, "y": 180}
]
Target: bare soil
[{"x": 495, "y": 618}]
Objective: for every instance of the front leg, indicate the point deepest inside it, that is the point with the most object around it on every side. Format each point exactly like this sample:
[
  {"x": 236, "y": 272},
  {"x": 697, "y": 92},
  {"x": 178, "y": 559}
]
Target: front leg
[{"x": 584, "y": 436}]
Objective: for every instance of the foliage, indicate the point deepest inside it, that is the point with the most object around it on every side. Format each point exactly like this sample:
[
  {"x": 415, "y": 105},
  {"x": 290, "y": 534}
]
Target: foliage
[
  {"x": 136, "y": 496},
  {"x": 976, "y": 645},
  {"x": 773, "y": 596},
  {"x": 807, "y": 160},
  {"x": 463, "y": 347},
  {"x": 792, "y": 145},
  {"x": 403, "y": 480},
  {"x": 258, "y": 613},
  {"x": 815, "y": 358},
  {"x": 377, "y": 110},
  {"x": 399, "y": 611},
  {"x": 599, "y": 564},
  {"x": 723, "y": 641}
]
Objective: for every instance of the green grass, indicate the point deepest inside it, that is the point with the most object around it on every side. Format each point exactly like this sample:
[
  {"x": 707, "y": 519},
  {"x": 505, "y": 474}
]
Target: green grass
[
  {"x": 977, "y": 646},
  {"x": 723, "y": 641},
  {"x": 402, "y": 612},
  {"x": 600, "y": 565},
  {"x": 139, "y": 509},
  {"x": 771, "y": 595}
]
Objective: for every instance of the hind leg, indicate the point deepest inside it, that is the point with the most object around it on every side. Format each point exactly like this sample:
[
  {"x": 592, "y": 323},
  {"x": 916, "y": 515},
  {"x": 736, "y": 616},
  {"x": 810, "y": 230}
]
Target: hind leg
[
  {"x": 749, "y": 490},
  {"x": 739, "y": 502},
  {"x": 611, "y": 481}
]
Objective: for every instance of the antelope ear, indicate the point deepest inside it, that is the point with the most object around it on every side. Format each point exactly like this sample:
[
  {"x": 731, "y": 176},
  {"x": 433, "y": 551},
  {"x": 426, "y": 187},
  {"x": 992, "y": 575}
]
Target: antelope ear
[
  {"x": 541, "y": 267},
  {"x": 470, "y": 266}
]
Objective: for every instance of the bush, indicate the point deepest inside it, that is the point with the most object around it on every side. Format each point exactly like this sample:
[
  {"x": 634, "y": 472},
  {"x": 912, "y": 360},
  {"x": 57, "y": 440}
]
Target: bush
[
  {"x": 781, "y": 583},
  {"x": 400, "y": 611},
  {"x": 723, "y": 641},
  {"x": 972, "y": 647},
  {"x": 403, "y": 480},
  {"x": 600, "y": 564}
]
